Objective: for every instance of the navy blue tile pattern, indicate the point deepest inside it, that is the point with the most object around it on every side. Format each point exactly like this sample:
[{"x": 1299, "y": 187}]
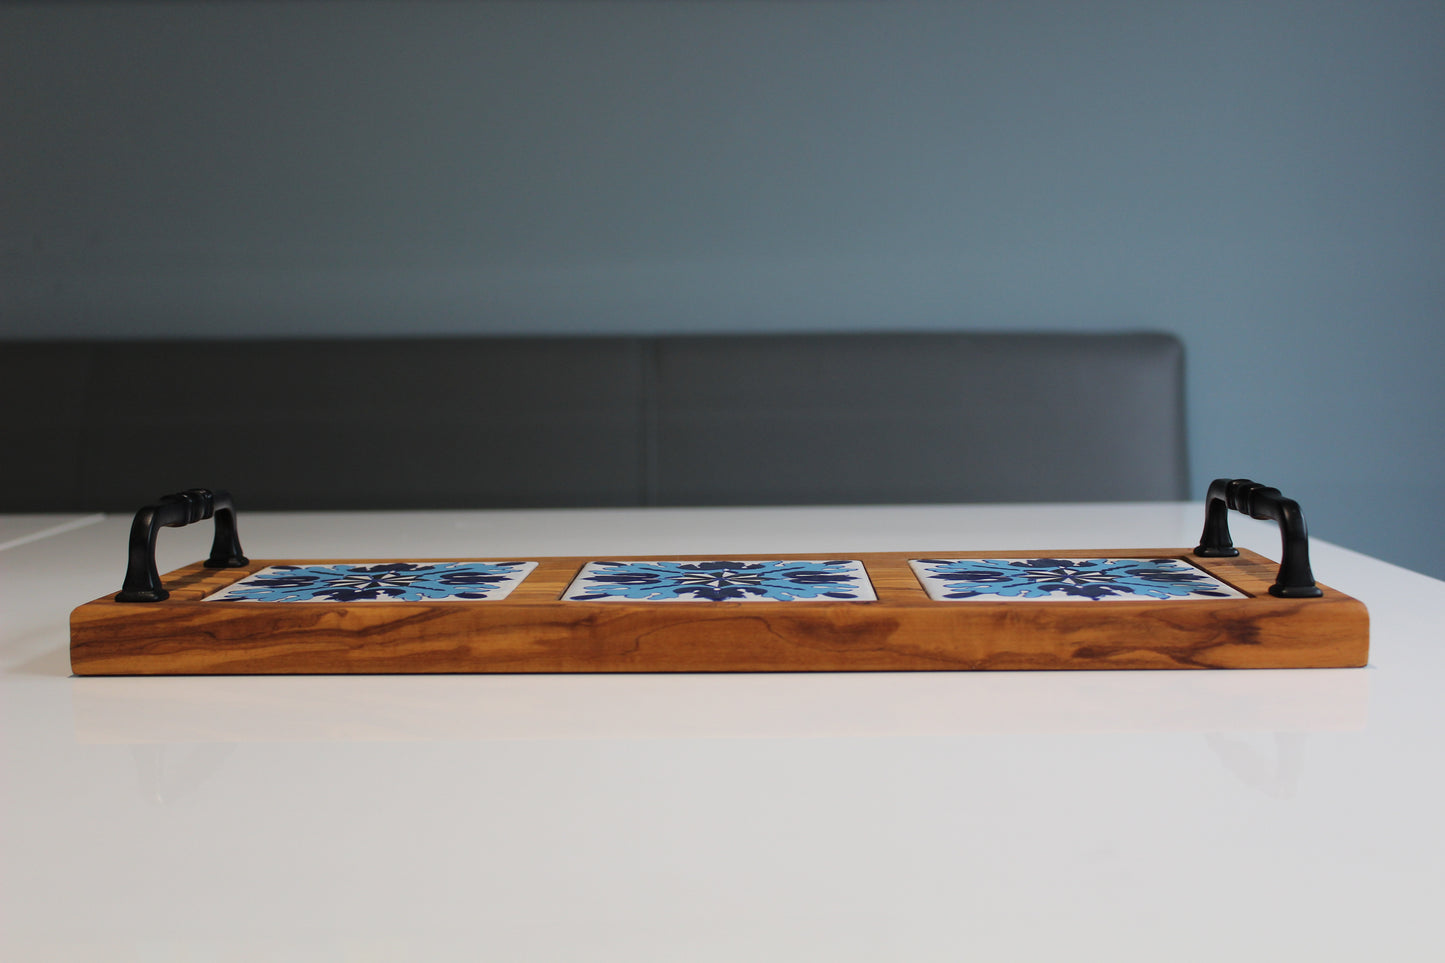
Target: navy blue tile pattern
[
  {"x": 379, "y": 582},
  {"x": 1066, "y": 579},
  {"x": 722, "y": 580}
]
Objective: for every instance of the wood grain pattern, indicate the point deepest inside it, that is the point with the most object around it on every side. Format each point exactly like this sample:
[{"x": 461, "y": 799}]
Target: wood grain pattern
[{"x": 532, "y": 631}]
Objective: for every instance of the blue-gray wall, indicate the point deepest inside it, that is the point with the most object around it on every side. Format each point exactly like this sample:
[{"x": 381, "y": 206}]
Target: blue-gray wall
[{"x": 1265, "y": 178}]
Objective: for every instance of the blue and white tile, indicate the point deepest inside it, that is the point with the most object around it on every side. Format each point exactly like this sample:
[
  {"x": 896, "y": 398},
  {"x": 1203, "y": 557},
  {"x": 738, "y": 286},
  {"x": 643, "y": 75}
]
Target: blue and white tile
[
  {"x": 723, "y": 580},
  {"x": 379, "y": 582},
  {"x": 1050, "y": 579}
]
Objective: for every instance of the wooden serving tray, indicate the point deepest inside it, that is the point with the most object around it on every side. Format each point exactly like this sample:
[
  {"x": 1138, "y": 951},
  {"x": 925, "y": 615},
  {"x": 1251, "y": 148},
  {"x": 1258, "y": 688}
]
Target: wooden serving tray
[{"x": 534, "y": 629}]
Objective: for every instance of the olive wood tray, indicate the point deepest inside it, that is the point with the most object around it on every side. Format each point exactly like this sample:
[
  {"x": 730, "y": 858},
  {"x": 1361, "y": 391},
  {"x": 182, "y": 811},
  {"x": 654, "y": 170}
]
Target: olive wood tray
[
  {"x": 1172, "y": 608},
  {"x": 533, "y": 629}
]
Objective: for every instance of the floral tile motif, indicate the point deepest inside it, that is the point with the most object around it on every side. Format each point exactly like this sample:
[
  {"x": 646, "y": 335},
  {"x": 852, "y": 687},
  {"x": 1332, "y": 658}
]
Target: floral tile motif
[
  {"x": 1066, "y": 579},
  {"x": 722, "y": 581},
  {"x": 379, "y": 582}
]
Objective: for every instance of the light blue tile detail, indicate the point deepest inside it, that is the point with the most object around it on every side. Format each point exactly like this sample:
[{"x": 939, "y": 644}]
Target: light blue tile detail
[
  {"x": 722, "y": 580},
  {"x": 379, "y": 582},
  {"x": 1066, "y": 579}
]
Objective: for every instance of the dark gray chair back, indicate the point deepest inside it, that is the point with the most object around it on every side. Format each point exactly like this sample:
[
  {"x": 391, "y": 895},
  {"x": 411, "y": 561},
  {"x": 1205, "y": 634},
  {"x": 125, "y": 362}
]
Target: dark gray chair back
[{"x": 594, "y": 421}]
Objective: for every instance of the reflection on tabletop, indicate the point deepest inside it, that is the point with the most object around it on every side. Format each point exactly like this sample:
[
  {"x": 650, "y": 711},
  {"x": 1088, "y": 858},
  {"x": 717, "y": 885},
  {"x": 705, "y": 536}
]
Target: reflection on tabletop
[{"x": 672, "y": 706}]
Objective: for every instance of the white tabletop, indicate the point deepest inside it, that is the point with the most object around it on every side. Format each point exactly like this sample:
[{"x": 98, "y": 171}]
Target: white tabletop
[
  {"x": 1120, "y": 816},
  {"x": 17, "y": 530}
]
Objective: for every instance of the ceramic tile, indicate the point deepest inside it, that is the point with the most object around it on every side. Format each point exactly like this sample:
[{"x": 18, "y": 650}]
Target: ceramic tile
[
  {"x": 722, "y": 581},
  {"x": 379, "y": 582},
  {"x": 1066, "y": 579}
]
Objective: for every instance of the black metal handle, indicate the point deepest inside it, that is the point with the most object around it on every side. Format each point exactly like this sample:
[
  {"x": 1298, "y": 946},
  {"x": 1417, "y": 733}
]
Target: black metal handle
[
  {"x": 142, "y": 581},
  {"x": 1295, "y": 580}
]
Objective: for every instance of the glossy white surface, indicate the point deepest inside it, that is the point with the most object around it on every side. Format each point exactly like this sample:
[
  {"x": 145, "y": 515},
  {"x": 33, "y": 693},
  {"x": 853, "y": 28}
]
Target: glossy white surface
[
  {"x": 17, "y": 530},
  {"x": 1180, "y": 816}
]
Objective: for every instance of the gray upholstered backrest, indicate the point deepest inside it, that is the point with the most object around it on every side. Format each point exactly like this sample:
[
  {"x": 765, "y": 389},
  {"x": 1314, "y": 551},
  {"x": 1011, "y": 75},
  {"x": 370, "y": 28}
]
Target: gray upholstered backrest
[
  {"x": 877, "y": 418},
  {"x": 575, "y": 421}
]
